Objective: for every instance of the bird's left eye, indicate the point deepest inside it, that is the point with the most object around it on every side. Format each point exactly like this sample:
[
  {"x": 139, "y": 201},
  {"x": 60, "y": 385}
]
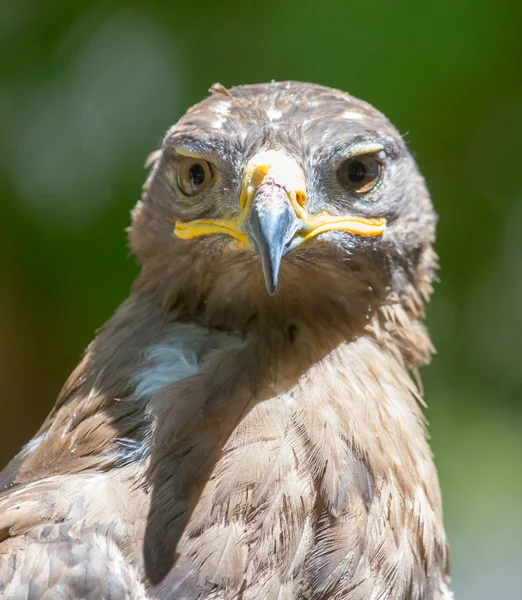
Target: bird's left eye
[
  {"x": 194, "y": 175},
  {"x": 360, "y": 174}
]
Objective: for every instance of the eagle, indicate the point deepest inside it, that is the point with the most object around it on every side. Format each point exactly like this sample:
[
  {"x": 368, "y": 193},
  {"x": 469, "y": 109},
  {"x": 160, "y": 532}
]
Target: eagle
[{"x": 248, "y": 424}]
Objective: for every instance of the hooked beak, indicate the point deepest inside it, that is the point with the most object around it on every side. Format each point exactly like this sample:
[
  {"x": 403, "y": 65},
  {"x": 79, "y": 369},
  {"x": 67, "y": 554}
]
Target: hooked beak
[
  {"x": 273, "y": 217},
  {"x": 271, "y": 225}
]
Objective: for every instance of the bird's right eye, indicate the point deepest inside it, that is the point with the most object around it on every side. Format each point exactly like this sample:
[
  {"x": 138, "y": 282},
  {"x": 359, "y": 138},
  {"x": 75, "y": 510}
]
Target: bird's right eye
[{"x": 194, "y": 175}]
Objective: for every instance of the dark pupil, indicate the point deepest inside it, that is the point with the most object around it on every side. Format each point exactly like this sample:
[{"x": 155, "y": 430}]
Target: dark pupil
[
  {"x": 197, "y": 174},
  {"x": 357, "y": 171}
]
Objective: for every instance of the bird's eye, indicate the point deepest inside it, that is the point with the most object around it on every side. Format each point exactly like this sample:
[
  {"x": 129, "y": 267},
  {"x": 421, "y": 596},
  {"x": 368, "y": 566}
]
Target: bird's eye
[
  {"x": 194, "y": 175},
  {"x": 360, "y": 174}
]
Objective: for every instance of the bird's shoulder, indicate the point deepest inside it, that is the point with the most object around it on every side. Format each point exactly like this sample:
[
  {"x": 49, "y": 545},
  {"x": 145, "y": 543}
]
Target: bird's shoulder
[
  {"x": 72, "y": 536},
  {"x": 74, "y": 501}
]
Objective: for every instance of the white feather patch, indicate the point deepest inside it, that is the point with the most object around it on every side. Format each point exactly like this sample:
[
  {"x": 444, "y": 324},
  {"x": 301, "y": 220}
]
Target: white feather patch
[
  {"x": 221, "y": 110},
  {"x": 273, "y": 114},
  {"x": 34, "y": 443},
  {"x": 180, "y": 356},
  {"x": 353, "y": 116}
]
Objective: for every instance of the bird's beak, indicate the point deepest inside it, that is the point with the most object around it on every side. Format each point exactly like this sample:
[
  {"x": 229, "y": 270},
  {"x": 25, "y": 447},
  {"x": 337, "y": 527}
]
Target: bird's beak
[
  {"x": 271, "y": 225},
  {"x": 273, "y": 218}
]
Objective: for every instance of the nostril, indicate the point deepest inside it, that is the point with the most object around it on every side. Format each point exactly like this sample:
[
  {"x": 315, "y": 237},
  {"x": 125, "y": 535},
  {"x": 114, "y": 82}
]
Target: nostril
[{"x": 300, "y": 198}]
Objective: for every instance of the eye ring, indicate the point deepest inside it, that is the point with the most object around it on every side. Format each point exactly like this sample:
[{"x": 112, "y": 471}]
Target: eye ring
[
  {"x": 360, "y": 174},
  {"x": 194, "y": 175}
]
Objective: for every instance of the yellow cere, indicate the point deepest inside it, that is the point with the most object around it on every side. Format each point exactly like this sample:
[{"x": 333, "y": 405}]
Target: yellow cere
[{"x": 274, "y": 166}]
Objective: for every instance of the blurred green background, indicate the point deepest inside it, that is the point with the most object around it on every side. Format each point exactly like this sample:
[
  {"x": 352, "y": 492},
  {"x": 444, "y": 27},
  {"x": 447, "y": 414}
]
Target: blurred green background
[{"x": 87, "y": 89}]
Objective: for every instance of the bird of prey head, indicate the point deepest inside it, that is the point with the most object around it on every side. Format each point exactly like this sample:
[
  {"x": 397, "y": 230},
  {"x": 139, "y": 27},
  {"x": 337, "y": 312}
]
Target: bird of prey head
[
  {"x": 294, "y": 191},
  {"x": 245, "y": 426}
]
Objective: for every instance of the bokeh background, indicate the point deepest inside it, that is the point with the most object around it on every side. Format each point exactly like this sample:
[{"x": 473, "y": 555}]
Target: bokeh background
[{"x": 87, "y": 88}]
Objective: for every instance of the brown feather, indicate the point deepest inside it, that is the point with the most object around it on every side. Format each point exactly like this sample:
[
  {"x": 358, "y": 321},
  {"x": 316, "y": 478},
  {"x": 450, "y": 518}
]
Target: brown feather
[{"x": 217, "y": 442}]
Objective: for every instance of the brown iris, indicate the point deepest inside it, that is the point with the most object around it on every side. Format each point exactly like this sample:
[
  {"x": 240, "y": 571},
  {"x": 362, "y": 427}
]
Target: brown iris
[
  {"x": 360, "y": 174},
  {"x": 193, "y": 175}
]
